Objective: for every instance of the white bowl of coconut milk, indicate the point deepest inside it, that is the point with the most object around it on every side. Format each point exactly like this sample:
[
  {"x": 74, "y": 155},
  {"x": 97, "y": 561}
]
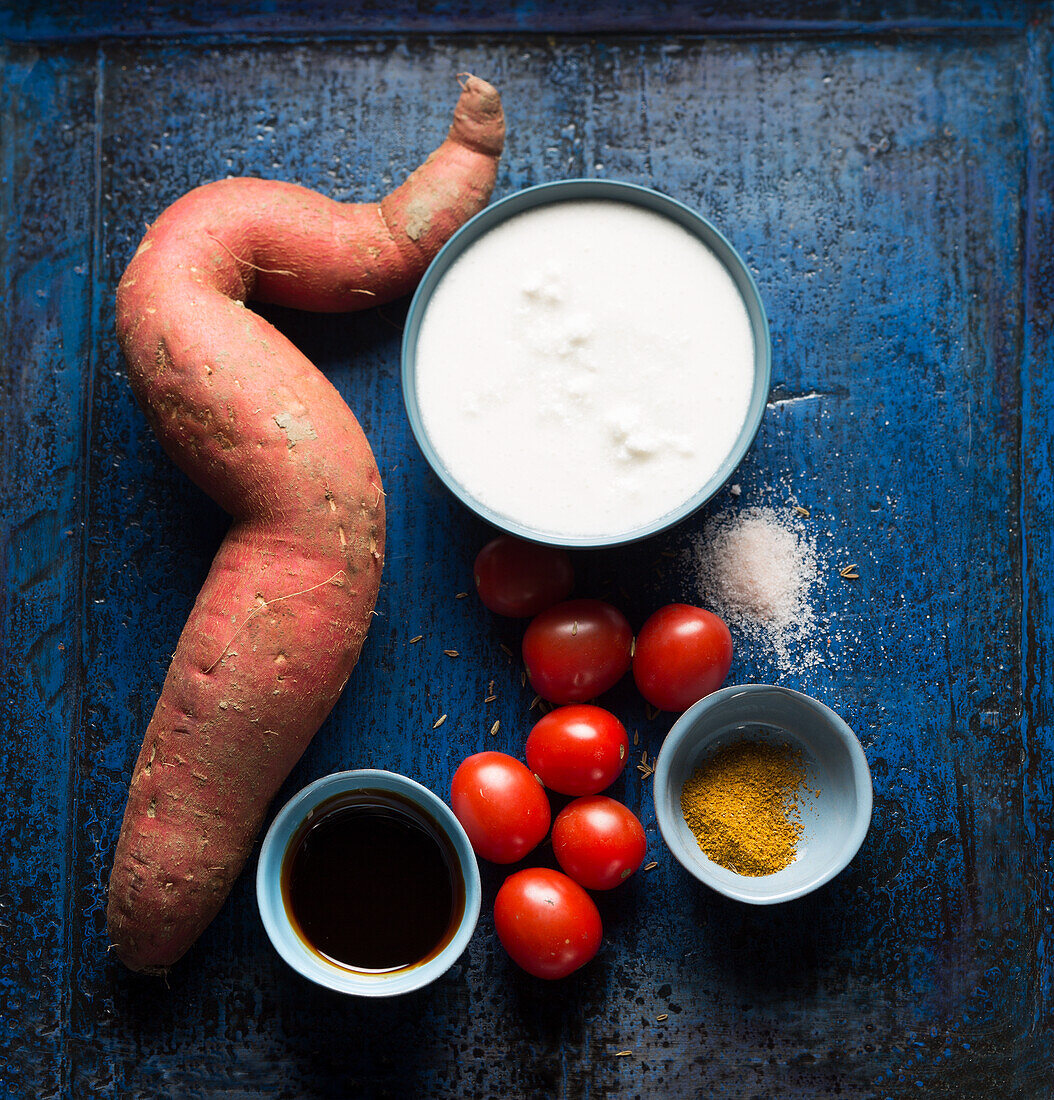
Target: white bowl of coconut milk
[{"x": 585, "y": 363}]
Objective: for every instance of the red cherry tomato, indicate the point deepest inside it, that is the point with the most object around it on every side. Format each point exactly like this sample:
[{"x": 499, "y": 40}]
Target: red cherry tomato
[
  {"x": 577, "y": 650},
  {"x": 598, "y": 841},
  {"x": 682, "y": 654},
  {"x": 520, "y": 579},
  {"x": 578, "y": 749},
  {"x": 547, "y": 923},
  {"x": 501, "y": 805}
]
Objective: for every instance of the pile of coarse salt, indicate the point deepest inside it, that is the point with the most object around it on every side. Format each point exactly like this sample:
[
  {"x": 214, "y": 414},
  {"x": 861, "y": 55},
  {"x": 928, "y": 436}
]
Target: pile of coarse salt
[{"x": 758, "y": 569}]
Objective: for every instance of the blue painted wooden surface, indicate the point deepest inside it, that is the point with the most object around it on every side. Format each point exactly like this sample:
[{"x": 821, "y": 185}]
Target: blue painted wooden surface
[{"x": 887, "y": 172}]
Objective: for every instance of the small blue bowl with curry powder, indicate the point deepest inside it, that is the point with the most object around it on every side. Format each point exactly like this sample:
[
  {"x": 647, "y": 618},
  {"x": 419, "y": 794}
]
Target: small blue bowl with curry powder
[{"x": 762, "y": 793}]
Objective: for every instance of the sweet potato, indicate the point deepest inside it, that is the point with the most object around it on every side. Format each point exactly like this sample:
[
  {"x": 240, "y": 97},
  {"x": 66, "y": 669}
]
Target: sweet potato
[{"x": 278, "y": 625}]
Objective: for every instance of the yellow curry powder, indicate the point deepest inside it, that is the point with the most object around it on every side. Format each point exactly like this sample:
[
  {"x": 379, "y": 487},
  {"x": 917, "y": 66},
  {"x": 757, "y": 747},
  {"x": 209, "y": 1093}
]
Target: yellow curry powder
[{"x": 742, "y": 804}]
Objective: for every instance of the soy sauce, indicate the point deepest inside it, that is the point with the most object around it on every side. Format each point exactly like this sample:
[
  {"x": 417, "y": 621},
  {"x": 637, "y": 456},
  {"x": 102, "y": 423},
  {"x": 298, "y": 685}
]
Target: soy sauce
[{"x": 372, "y": 884}]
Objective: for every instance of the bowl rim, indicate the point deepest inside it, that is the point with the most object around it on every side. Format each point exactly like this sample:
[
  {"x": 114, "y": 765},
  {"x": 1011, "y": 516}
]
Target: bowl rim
[
  {"x": 862, "y": 784},
  {"x": 561, "y": 191},
  {"x": 271, "y": 907}
]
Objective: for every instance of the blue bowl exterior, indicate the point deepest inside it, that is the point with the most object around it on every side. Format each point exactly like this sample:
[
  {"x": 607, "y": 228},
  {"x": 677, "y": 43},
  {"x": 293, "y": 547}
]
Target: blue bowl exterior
[
  {"x": 562, "y": 191},
  {"x": 759, "y": 704},
  {"x": 272, "y": 908}
]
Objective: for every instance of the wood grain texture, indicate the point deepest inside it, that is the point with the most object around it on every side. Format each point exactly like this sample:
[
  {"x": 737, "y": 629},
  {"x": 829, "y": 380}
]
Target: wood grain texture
[
  {"x": 892, "y": 196},
  {"x": 66, "y": 20},
  {"x": 47, "y": 127}
]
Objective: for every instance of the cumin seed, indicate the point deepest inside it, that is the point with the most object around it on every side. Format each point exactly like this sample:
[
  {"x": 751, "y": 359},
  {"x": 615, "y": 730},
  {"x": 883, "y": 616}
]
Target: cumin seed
[
  {"x": 439, "y": 721},
  {"x": 415, "y": 639}
]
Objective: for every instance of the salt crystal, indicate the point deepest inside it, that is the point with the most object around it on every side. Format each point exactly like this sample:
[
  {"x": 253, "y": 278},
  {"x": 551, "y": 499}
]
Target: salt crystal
[{"x": 758, "y": 570}]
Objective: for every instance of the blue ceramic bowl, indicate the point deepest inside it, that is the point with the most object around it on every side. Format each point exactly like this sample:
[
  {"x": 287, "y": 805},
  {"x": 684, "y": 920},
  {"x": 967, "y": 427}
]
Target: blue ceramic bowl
[
  {"x": 835, "y": 823},
  {"x": 285, "y": 937},
  {"x": 563, "y": 191}
]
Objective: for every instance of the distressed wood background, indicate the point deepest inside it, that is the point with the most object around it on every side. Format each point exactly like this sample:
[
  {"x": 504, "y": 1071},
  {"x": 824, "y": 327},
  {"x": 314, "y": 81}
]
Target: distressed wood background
[{"x": 886, "y": 171}]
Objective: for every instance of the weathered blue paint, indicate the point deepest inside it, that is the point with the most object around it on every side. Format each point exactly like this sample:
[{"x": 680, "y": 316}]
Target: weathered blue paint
[
  {"x": 892, "y": 195},
  {"x": 68, "y": 20}
]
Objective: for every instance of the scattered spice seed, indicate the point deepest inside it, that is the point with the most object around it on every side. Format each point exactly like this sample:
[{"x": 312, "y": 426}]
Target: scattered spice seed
[
  {"x": 803, "y": 512},
  {"x": 490, "y": 688},
  {"x": 651, "y": 867},
  {"x": 534, "y": 702},
  {"x": 623, "y": 1053},
  {"x": 460, "y": 595},
  {"x": 451, "y": 653},
  {"x": 644, "y": 767},
  {"x": 662, "y": 1016},
  {"x": 523, "y": 678},
  {"x": 574, "y": 628},
  {"x": 489, "y": 699},
  {"x": 636, "y": 738},
  {"x": 415, "y": 639},
  {"x": 632, "y": 647},
  {"x": 849, "y": 572},
  {"x": 439, "y": 721},
  {"x": 494, "y": 728},
  {"x": 504, "y": 648},
  {"x": 651, "y": 712}
]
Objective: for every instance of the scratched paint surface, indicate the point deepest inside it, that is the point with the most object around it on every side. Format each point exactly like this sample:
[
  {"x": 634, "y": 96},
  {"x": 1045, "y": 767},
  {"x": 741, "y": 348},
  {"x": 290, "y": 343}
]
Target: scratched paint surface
[{"x": 891, "y": 196}]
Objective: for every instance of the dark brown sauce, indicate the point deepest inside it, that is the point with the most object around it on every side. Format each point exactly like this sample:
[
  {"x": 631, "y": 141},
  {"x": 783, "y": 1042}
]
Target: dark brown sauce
[{"x": 371, "y": 883}]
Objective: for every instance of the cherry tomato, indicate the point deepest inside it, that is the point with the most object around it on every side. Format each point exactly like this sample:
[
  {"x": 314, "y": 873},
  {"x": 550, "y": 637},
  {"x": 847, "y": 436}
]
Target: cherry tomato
[
  {"x": 578, "y": 749},
  {"x": 547, "y": 923},
  {"x": 598, "y": 841},
  {"x": 577, "y": 650},
  {"x": 520, "y": 579},
  {"x": 501, "y": 805},
  {"x": 682, "y": 654}
]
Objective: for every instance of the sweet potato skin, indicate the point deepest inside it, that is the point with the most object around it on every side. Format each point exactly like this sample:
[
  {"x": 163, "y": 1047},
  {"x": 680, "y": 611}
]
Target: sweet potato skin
[{"x": 278, "y": 625}]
